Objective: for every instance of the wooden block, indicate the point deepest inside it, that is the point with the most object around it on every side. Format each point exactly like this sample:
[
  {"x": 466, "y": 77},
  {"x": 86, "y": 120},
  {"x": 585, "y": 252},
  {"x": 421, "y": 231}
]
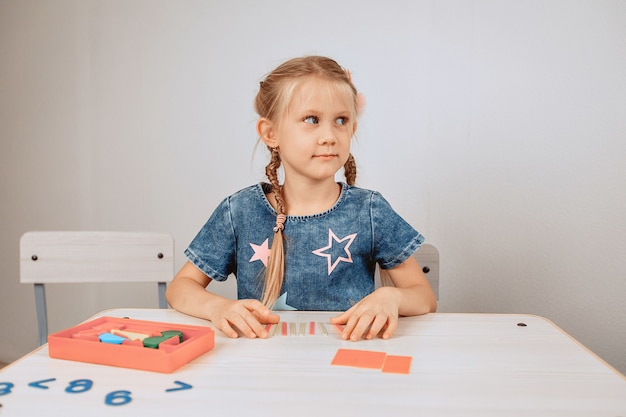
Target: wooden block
[
  {"x": 130, "y": 335},
  {"x": 155, "y": 341},
  {"x": 111, "y": 338}
]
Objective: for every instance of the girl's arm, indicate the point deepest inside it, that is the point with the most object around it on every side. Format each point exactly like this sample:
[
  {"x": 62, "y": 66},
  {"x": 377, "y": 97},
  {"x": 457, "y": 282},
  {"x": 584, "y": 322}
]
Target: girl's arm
[
  {"x": 411, "y": 295},
  {"x": 187, "y": 293}
]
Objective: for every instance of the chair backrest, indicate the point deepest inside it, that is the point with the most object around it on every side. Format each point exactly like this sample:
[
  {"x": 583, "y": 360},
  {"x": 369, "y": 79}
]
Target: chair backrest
[
  {"x": 428, "y": 258},
  {"x": 91, "y": 256}
]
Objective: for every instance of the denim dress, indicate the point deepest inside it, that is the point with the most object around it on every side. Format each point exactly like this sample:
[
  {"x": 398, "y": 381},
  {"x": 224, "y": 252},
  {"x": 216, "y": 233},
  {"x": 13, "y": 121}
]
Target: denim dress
[{"x": 330, "y": 257}]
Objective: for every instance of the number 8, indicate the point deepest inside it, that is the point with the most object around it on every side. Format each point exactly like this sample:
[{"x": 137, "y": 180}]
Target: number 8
[{"x": 79, "y": 385}]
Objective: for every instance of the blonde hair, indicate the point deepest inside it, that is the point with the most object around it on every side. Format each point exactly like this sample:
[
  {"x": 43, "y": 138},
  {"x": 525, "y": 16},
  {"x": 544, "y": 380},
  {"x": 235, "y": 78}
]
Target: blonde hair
[{"x": 271, "y": 102}]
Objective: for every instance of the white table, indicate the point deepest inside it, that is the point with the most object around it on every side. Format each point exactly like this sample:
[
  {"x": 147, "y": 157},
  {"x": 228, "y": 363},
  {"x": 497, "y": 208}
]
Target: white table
[{"x": 463, "y": 365}]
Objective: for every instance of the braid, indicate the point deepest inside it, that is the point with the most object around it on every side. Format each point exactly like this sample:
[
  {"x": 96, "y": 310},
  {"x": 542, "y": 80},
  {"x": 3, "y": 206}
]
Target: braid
[
  {"x": 271, "y": 171},
  {"x": 275, "y": 270},
  {"x": 349, "y": 170}
]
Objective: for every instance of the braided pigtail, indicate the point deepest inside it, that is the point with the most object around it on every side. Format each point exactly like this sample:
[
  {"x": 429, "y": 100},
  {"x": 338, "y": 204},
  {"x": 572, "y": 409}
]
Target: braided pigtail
[
  {"x": 349, "y": 170},
  {"x": 275, "y": 271}
]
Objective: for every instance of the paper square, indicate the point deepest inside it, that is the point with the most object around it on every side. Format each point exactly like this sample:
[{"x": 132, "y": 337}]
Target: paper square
[
  {"x": 359, "y": 358},
  {"x": 397, "y": 364}
]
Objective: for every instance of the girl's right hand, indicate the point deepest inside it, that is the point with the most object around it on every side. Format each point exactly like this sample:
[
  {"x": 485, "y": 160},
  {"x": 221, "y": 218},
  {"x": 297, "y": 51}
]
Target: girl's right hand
[{"x": 247, "y": 316}]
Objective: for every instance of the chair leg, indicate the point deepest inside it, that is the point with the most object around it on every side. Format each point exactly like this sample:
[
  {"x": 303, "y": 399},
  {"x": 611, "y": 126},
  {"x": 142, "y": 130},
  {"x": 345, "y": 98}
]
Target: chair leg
[
  {"x": 162, "y": 301},
  {"x": 42, "y": 317}
]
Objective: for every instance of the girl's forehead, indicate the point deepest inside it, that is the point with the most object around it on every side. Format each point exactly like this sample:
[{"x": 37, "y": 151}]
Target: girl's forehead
[{"x": 316, "y": 92}]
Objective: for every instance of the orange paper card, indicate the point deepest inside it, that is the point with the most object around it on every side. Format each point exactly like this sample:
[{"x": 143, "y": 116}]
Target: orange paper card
[
  {"x": 359, "y": 358},
  {"x": 397, "y": 364}
]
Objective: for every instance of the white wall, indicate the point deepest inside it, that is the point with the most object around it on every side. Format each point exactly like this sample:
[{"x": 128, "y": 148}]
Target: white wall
[{"x": 497, "y": 128}]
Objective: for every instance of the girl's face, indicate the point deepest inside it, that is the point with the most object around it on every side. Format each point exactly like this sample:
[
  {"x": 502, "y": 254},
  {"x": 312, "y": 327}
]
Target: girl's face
[{"x": 315, "y": 131}]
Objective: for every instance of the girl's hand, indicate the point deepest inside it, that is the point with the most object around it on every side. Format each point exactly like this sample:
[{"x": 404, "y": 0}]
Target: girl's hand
[
  {"x": 368, "y": 317},
  {"x": 248, "y": 316}
]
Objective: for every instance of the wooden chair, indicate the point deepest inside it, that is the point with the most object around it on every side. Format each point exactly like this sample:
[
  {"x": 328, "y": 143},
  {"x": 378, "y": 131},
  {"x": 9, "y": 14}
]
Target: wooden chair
[
  {"x": 428, "y": 258},
  {"x": 88, "y": 256}
]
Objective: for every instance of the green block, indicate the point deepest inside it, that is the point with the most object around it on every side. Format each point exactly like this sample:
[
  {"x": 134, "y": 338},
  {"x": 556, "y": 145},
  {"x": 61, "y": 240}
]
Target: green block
[
  {"x": 154, "y": 341},
  {"x": 172, "y": 333}
]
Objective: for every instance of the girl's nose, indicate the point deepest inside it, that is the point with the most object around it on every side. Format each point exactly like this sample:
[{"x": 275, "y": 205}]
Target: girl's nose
[{"x": 327, "y": 137}]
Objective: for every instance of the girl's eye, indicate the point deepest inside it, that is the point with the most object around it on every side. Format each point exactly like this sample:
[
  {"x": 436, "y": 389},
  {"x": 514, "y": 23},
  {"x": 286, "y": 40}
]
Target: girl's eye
[
  {"x": 311, "y": 120},
  {"x": 342, "y": 120}
]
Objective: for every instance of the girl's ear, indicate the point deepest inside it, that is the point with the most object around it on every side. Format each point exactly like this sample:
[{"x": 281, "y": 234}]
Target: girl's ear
[{"x": 265, "y": 129}]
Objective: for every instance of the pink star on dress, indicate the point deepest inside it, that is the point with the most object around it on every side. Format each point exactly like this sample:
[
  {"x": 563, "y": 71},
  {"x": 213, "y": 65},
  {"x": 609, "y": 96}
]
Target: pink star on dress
[
  {"x": 261, "y": 252},
  {"x": 333, "y": 237}
]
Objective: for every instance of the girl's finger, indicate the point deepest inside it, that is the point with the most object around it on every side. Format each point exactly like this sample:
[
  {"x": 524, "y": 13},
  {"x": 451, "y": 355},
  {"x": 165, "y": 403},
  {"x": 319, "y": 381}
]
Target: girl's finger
[
  {"x": 392, "y": 324},
  {"x": 227, "y": 329},
  {"x": 256, "y": 328},
  {"x": 343, "y": 317},
  {"x": 243, "y": 321},
  {"x": 377, "y": 325},
  {"x": 360, "y": 326}
]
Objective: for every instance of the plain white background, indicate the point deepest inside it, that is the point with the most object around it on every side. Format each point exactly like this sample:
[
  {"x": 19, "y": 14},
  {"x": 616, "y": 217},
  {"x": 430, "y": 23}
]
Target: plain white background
[{"x": 497, "y": 128}]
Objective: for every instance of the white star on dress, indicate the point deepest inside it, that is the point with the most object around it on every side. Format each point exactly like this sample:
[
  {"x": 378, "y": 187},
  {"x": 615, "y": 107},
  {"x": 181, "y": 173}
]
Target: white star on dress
[
  {"x": 333, "y": 237},
  {"x": 281, "y": 304}
]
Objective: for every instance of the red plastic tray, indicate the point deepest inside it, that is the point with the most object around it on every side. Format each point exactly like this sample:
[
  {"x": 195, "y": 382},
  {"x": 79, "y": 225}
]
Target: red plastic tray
[{"x": 72, "y": 344}]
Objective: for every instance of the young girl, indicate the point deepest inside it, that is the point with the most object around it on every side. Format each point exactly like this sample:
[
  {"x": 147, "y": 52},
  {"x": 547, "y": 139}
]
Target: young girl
[{"x": 309, "y": 243}]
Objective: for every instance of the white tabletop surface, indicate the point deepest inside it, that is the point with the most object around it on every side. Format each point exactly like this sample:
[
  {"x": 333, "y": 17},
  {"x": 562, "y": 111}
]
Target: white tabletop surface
[{"x": 463, "y": 365}]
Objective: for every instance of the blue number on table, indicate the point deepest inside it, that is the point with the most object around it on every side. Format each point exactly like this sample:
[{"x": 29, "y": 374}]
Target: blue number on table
[
  {"x": 79, "y": 385},
  {"x": 5, "y": 388},
  {"x": 118, "y": 398},
  {"x": 76, "y": 386}
]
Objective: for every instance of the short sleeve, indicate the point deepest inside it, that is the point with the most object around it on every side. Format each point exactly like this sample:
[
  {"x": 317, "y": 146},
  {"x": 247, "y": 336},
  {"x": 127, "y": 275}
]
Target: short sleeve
[
  {"x": 213, "y": 250},
  {"x": 394, "y": 239}
]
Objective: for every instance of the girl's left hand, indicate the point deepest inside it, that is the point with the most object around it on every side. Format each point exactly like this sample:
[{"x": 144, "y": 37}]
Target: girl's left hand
[{"x": 368, "y": 317}]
